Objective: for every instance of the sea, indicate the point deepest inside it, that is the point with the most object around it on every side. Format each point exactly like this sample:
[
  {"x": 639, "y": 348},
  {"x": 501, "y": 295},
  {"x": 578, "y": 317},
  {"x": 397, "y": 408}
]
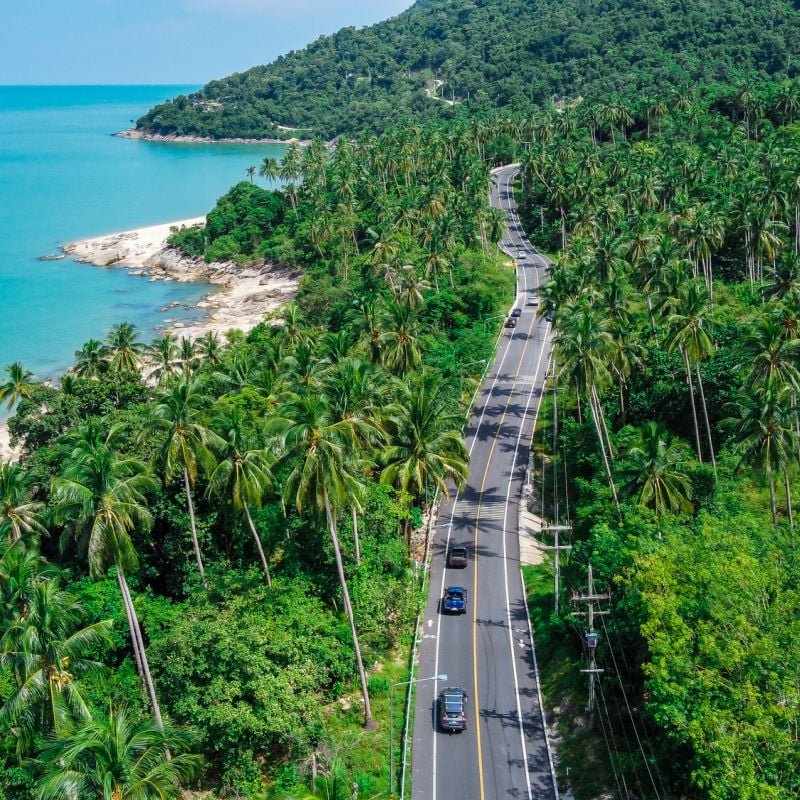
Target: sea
[{"x": 63, "y": 176}]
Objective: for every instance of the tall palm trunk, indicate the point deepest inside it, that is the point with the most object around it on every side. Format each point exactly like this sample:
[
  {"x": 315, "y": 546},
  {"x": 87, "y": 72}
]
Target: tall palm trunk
[
  {"x": 600, "y": 438},
  {"x": 788, "y": 488},
  {"x": 258, "y": 544},
  {"x": 705, "y": 418},
  {"x": 138, "y": 645},
  {"x": 196, "y": 544},
  {"x": 356, "y": 542},
  {"x": 694, "y": 408},
  {"x": 362, "y": 675},
  {"x": 773, "y": 503}
]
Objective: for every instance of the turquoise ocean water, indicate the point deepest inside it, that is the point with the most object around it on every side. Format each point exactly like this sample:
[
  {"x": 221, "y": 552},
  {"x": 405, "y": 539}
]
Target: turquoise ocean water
[{"x": 64, "y": 177}]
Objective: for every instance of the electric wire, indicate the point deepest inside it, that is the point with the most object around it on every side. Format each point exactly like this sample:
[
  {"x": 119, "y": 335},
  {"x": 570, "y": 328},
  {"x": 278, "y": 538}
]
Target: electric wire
[
  {"x": 630, "y": 711},
  {"x": 629, "y": 673}
]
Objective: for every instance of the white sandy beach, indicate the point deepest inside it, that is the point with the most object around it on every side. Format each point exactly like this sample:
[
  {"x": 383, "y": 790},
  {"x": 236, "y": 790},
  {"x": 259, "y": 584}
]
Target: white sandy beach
[{"x": 247, "y": 293}]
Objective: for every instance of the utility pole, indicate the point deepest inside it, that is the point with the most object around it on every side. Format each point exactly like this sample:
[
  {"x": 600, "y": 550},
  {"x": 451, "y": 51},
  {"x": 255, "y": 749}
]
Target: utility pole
[
  {"x": 555, "y": 530},
  {"x": 591, "y": 598}
]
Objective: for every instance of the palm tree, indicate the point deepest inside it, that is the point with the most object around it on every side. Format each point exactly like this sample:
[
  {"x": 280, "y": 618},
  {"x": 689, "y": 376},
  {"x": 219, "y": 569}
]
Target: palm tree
[
  {"x": 18, "y": 513},
  {"x": 46, "y": 650},
  {"x": 425, "y": 447},
  {"x": 123, "y": 348},
  {"x": 583, "y": 346},
  {"x": 320, "y": 452},
  {"x": 765, "y": 435},
  {"x": 19, "y": 384},
  {"x": 270, "y": 168},
  {"x": 654, "y": 466},
  {"x": 250, "y": 172},
  {"x": 114, "y": 758},
  {"x": 162, "y": 357},
  {"x": 242, "y": 474},
  {"x": 21, "y": 570},
  {"x": 187, "y": 356},
  {"x": 100, "y": 497},
  {"x": 690, "y": 336},
  {"x": 188, "y": 443},
  {"x": 399, "y": 338},
  {"x": 90, "y": 360},
  {"x": 209, "y": 348},
  {"x": 355, "y": 392}
]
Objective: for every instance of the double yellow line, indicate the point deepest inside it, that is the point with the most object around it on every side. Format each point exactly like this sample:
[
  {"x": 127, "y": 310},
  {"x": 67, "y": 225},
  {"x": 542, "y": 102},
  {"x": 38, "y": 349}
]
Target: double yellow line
[{"x": 475, "y": 559}]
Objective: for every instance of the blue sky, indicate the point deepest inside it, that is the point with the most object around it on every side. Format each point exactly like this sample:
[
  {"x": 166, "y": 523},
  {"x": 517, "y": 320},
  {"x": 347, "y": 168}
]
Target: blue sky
[{"x": 164, "y": 41}]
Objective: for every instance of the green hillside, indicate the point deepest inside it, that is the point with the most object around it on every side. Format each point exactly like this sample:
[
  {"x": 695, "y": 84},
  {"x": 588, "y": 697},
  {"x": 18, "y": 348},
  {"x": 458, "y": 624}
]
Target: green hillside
[{"x": 488, "y": 54}]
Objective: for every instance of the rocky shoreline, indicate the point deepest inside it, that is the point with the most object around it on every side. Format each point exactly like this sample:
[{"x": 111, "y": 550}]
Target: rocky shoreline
[
  {"x": 136, "y": 133},
  {"x": 246, "y": 294}
]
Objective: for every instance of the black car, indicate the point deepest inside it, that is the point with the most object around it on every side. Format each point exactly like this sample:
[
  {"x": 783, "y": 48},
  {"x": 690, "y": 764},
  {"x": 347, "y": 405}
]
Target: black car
[
  {"x": 516, "y": 312},
  {"x": 511, "y": 322},
  {"x": 550, "y": 315},
  {"x": 453, "y": 709},
  {"x": 457, "y": 557}
]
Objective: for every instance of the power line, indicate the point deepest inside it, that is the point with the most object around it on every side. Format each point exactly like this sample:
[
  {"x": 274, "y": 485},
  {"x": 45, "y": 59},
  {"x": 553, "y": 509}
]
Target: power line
[{"x": 630, "y": 713}]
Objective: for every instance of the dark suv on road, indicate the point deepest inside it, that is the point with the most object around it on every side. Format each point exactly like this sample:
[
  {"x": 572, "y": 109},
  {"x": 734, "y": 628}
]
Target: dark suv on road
[
  {"x": 453, "y": 709},
  {"x": 457, "y": 557}
]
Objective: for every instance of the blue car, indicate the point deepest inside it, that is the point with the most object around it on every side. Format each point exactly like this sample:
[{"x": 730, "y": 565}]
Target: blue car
[{"x": 455, "y": 600}]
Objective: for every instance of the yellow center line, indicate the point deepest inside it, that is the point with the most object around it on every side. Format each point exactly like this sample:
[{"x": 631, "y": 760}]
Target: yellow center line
[{"x": 475, "y": 559}]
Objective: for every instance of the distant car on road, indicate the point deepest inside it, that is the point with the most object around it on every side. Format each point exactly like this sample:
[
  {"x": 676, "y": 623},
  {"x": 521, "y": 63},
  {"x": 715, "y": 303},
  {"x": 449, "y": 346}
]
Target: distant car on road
[
  {"x": 521, "y": 256},
  {"x": 516, "y": 312},
  {"x": 453, "y": 709},
  {"x": 457, "y": 557},
  {"x": 550, "y": 315},
  {"x": 533, "y": 301},
  {"x": 455, "y": 600},
  {"x": 511, "y": 322}
]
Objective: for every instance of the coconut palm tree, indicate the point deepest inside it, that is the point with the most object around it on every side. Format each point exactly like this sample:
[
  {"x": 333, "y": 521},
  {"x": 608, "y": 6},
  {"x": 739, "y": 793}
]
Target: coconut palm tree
[
  {"x": 583, "y": 347},
  {"x": 123, "y": 348},
  {"x": 162, "y": 358},
  {"x": 46, "y": 651},
  {"x": 19, "y": 384},
  {"x": 21, "y": 569},
  {"x": 425, "y": 447},
  {"x": 209, "y": 348},
  {"x": 101, "y": 497},
  {"x": 113, "y": 757},
  {"x": 765, "y": 435},
  {"x": 19, "y": 514},
  {"x": 187, "y": 443},
  {"x": 242, "y": 474},
  {"x": 399, "y": 338},
  {"x": 270, "y": 169},
  {"x": 90, "y": 360},
  {"x": 355, "y": 392},
  {"x": 654, "y": 468},
  {"x": 690, "y": 335},
  {"x": 320, "y": 453}
]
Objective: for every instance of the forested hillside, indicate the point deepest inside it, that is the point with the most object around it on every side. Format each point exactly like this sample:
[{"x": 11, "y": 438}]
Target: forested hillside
[{"x": 446, "y": 57}]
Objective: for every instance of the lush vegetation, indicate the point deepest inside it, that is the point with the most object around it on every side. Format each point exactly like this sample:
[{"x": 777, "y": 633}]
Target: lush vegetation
[
  {"x": 205, "y": 549},
  {"x": 676, "y": 305},
  {"x": 445, "y": 58}
]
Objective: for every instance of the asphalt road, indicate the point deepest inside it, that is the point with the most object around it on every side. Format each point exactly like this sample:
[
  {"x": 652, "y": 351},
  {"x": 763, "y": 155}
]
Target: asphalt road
[{"x": 488, "y": 652}]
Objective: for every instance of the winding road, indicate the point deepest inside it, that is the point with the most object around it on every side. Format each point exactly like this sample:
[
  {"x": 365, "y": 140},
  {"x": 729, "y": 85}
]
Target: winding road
[{"x": 504, "y": 752}]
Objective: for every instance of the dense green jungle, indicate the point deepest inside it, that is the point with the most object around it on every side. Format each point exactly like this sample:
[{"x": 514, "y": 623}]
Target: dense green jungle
[
  {"x": 447, "y": 59},
  {"x": 207, "y": 550}
]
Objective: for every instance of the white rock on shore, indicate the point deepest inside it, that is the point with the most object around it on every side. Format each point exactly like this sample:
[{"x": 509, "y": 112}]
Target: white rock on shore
[{"x": 246, "y": 295}]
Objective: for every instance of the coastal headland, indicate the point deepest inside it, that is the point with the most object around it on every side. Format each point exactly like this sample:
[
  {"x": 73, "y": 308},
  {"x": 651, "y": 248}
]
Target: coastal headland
[
  {"x": 137, "y": 133},
  {"x": 244, "y": 293}
]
